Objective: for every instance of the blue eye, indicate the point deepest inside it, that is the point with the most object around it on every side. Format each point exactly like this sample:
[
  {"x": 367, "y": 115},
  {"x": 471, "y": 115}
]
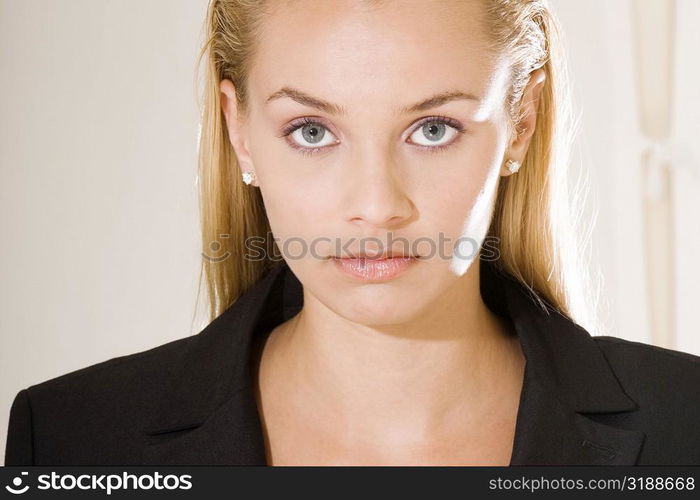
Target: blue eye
[
  {"x": 313, "y": 134},
  {"x": 435, "y": 132},
  {"x": 439, "y": 133},
  {"x": 307, "y": 132}
]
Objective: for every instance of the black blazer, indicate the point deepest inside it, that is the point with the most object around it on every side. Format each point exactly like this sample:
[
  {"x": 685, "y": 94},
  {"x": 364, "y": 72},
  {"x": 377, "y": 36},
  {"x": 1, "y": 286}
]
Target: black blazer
[{"x": 585, "y": 400}]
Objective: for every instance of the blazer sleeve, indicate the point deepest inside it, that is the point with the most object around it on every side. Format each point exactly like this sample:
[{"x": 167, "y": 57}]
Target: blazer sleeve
[{"x": 19, "y": 447}]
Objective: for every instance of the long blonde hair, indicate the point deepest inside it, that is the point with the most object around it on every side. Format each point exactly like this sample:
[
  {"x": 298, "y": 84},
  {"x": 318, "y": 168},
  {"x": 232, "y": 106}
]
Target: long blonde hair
[{"x": 532, "y": 220}]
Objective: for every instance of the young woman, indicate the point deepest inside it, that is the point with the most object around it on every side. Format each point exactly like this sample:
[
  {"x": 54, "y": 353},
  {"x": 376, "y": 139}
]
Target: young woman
[{"x": 405, "y": 159}]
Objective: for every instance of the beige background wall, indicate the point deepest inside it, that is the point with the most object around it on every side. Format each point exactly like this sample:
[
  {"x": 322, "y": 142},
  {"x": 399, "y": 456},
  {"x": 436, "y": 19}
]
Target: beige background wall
[{"x": 98, "y": 220}]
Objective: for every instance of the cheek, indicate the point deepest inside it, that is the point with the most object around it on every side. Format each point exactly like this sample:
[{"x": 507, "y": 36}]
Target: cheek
[
  {"x": 447, "y": 216},
  {"x": 294, "y": 202},
  {"x": 293, "y": 217},
  {"x": 459, "y": 201},
  {"x": 300, "y": 217}
]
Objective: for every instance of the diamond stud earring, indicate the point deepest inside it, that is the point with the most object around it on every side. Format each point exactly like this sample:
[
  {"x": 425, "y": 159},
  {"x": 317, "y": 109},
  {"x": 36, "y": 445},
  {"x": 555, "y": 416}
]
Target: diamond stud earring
[
  {"x": 248, "y": 176},
  {"x": 512, "y": 166}
]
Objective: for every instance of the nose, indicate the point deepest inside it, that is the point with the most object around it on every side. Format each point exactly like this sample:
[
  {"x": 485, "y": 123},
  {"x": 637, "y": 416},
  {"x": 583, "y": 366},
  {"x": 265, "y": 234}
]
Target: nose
[{"x": 376, "y": 194}]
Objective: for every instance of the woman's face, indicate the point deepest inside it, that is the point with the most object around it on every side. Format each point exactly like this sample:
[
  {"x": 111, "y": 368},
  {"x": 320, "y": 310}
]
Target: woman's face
[{"x": 347, "y": 145}]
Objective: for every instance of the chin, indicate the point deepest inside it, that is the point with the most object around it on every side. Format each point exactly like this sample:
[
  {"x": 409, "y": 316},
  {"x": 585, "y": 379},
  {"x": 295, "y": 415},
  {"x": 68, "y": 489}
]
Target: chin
[
  {"x": 379, "y": 305},
  {"x": 375, "y": 313}
]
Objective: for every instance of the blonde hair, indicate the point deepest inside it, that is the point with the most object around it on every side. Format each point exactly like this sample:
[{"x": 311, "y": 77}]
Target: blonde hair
[{"x": 532, "y": 220}]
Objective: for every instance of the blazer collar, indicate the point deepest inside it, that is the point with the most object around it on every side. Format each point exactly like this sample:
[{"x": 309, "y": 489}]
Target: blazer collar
[{"x": 207, "y": 413}]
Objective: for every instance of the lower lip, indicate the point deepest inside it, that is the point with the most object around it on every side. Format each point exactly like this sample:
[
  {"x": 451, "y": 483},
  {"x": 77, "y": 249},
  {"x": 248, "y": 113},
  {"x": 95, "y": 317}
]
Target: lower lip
[{"x": 374, "y": 269}]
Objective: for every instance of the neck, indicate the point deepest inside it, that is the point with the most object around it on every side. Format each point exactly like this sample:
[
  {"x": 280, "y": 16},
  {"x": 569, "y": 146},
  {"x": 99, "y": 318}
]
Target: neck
[{"x": 449, "y": 365}]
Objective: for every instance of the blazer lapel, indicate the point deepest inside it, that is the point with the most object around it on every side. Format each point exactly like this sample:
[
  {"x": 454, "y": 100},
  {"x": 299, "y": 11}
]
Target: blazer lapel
[
  {"x": 567, "y": 382},
  {"x": 550, "y": 433},
  {"x": 208, "y": 413}
]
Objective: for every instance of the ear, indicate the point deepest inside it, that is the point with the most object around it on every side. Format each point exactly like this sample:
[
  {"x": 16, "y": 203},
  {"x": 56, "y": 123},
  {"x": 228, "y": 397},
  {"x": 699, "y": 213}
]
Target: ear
[
  {"x": 234, "y": 125},
  {"x": 529, "y": 104}
]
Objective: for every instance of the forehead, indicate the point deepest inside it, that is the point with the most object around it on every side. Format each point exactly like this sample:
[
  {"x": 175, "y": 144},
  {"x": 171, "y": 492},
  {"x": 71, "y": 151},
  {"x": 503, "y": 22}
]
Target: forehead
[{"x": 387, "y": 55}]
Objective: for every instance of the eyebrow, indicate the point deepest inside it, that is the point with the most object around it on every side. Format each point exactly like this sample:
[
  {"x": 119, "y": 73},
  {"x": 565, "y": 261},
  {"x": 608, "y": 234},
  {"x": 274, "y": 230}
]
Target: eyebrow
[{"x": 335, "y": 109}]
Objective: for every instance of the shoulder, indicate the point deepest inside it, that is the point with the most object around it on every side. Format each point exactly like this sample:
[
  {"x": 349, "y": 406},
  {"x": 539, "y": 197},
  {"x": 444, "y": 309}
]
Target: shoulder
[
  {"x": 643, "y": 360},
  {"x": 126, "y": 374},
  {"x": 652, "y": 371},
  {"x": 100, "y": 402}
]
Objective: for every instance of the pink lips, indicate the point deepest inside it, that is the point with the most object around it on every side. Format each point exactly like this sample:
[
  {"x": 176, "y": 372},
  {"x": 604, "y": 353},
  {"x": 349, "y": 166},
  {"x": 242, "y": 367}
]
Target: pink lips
[{"x": 374, "y": 269}]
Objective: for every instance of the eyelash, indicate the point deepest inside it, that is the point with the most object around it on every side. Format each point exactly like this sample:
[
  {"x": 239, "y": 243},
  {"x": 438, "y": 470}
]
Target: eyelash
[{"x": 430, "y": 119}]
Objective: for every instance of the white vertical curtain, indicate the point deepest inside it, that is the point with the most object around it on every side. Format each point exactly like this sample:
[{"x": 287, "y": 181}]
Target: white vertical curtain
[
  {"x": 666, "y": 46},
  {"x": 685, "y": 157},
  {"x": 653, "y": 23}
]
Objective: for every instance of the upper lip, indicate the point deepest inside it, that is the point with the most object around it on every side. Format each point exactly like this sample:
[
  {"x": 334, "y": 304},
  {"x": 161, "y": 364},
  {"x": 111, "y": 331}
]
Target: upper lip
[{"x": 385, "y": 255}]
